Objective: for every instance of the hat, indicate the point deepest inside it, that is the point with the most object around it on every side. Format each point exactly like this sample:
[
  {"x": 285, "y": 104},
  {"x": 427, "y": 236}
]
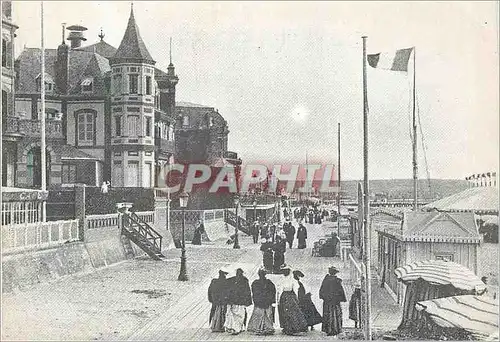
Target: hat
[
  {"x": 357, "y": 285},
  {"x": 224, "y": 270},
  {"x": 285, "y": 267},
  {"x": 298, "y": 273},
  {"x": 333, "y": 270}
]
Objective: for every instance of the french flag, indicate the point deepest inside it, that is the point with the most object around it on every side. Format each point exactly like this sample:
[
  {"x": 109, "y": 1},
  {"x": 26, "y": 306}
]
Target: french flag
[{"x": 396, "y": 61}]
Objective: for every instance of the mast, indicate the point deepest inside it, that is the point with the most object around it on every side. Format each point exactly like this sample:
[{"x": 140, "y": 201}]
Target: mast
[
  {"x": 307, "y": 178},
  {"x": 414, "y": 142},
  {"x": 338, "y": 194},
  {"x": 366, "y": 204},
  {"x": 42, "y": 120}
]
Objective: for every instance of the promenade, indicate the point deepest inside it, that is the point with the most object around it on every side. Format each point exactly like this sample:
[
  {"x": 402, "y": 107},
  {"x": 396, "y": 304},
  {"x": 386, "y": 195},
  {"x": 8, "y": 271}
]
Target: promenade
[{"x": 142, "y": 299}]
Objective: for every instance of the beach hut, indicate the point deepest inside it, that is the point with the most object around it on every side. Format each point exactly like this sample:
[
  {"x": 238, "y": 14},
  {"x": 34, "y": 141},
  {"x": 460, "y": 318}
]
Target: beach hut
[{"x": 417, "y": 236}]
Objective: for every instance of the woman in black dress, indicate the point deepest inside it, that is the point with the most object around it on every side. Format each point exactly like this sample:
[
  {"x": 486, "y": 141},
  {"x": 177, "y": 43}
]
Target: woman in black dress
[
  {"x": 301, "y": 236},
  {"x": 332, "y": 293},
  {"x": 306, "y": 304},
  {"x": 197, "y": 234}
]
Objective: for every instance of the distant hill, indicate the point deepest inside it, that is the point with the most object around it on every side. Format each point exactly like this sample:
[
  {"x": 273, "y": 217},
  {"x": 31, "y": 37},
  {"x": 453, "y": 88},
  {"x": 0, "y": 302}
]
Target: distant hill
[{"x": 403, "y": 188}]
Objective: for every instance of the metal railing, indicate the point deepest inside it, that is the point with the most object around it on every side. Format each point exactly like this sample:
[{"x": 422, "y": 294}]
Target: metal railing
[
  {"x": 111, "y": 220},
  {"x": 53, "y": 128}
]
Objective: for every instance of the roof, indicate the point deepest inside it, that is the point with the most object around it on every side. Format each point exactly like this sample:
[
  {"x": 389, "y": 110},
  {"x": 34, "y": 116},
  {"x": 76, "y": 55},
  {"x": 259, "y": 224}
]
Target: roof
[
  {"x": 440, "y": 227},
  {"x": 479, "y": 200},
  {"x": 189, "y": 104},
  {"x": 430, "y": 226},
  {"x": 102, "y": 48},
  {"x": 199, "y": 116},
  {"x": 132, "y": 46},
  {"x": 68, "y": 152},
  {"x": 30, "y": 66}
]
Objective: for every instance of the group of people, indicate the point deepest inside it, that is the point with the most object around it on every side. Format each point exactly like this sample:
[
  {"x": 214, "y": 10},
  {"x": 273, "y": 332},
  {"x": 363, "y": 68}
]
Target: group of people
[
  {"x": 312, "y": 215},
  {"x": 230, "y": 298},
  {"x": 274, "y": 243}
]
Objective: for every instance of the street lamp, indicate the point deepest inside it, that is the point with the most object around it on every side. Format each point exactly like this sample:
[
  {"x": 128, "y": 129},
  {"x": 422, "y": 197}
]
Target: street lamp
[
  {"x": 236, "y": 203},
  {"x": 183, "y": 201},
  {"x": 254, "y": 209}
]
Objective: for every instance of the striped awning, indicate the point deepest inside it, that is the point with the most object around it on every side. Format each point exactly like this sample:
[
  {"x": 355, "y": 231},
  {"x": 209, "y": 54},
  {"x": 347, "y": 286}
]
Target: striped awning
[
  {"x": 442, "y": 273},
  {"x": 476, "y": 314}
]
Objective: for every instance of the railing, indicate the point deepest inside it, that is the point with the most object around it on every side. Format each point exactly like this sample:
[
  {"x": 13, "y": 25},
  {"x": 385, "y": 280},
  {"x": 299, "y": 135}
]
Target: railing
[
  {"x": 39, "y": 235},
  {"x": 21, "y": 212},
  {"x": 53, "y": 128},
  {"x": 145, "y": 230},
  {"x": 11, "y": 125},
  {"x": 242, "y": 223},
  {"x": 212, "y": 215},
  {"x": 111, "y": 220}
]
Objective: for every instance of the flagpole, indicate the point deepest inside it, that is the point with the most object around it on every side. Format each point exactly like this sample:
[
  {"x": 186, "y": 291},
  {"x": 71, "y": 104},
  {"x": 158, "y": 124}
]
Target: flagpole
[
  {"x": 366, "y": 205},
  {"x": 338, "y": 194},
  {"x": 415, "y": 165},
  {"x": 42, "y": 120}
]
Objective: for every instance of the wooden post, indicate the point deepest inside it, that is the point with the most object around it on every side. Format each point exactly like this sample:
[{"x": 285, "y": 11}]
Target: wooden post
[{"x": 414, "y": 142}]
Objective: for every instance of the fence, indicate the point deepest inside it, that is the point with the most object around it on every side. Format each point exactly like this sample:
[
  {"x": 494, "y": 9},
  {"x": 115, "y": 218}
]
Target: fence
[
  {"x": 38, "y": 235},
  {"x": 21, "y": 212},
  {"x": 111, "y": 220}
]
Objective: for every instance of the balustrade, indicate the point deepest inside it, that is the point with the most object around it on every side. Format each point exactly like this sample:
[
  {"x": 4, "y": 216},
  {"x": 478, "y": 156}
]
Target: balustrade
[{"x": 53, "y": 128}]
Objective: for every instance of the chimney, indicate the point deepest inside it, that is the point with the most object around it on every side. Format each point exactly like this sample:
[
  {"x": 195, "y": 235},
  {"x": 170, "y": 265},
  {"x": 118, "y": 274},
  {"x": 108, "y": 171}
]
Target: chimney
[
  {"x": 62, "y": 66},
  {"x": 76, "y": 35}
]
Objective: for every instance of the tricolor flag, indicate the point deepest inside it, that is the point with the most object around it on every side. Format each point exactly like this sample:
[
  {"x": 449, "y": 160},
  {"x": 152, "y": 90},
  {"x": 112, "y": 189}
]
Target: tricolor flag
[{"x": 397, "y": 61}]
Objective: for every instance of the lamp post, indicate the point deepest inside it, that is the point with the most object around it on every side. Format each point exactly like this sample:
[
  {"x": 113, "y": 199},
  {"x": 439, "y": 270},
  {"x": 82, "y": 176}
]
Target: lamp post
[
  {"x": 236, "y": 243},
  {"x": 254, "y": 209},
  {"x": 183, "y": 201}
]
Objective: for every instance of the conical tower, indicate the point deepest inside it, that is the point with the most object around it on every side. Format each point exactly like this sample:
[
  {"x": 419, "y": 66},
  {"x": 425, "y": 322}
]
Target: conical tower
[{"x": 132, "y": 110}]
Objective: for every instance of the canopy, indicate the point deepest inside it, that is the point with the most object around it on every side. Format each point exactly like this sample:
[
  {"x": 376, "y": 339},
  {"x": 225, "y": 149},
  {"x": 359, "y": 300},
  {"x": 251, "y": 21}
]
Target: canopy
[
  {"x": 476, "y": 314},
  {"x": 442, "y": 273},
  {"x": 481, "y": 200}
]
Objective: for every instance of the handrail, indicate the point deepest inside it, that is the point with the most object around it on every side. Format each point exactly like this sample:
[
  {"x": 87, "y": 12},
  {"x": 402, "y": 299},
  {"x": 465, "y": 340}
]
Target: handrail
[{"x": 145, "y": 229}]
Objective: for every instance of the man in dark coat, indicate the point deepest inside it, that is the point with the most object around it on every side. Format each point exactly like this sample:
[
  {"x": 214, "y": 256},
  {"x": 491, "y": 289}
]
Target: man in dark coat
[
  {"x": 198, "y": 233},
  {"x": 333, "y": 294},
  {"x": 218, "y": 293},
  {"x": 279, "y": 254},
  {"x": 301, "y": 237},
  {"x": 267, "y": 254},
  {"x": 290, "y": 233},
  {"x": 240, "y": 297},
  {"x": 255, "y": 231}
]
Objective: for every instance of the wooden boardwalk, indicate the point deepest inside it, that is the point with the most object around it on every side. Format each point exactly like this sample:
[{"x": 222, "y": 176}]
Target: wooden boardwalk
[{"x": 188, "y": 318}]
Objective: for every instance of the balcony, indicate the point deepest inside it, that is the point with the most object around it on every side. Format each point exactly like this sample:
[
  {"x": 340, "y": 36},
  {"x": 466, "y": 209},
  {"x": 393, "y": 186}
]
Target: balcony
[
  {"x": 32, "y": 128},
  {"x": 11, "y": 128}
]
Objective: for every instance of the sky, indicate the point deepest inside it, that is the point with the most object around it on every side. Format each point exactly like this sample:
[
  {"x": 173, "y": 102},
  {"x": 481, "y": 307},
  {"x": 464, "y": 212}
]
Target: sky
[{"x": 284, "y": 74}]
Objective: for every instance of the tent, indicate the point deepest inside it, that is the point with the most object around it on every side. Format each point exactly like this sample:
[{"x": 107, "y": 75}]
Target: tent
[
  {"x": 432, "y": 279},
  {"x": 475, "y": 314},
  {"x": 480, "y": 200}
]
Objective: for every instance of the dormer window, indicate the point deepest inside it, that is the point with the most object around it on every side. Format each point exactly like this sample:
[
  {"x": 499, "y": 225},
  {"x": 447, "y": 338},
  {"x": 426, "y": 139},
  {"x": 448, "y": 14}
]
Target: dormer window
[
  {"x": 49, "y": 83},
  {"x": 87, "y": 85},
  {"x": 185, "y": 121}
]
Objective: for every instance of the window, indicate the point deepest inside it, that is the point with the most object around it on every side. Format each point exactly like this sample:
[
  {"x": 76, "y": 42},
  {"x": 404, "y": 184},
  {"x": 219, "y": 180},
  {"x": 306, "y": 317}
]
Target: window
[
  {"x": 4, "y": 104},
  {"x": 68, "y": 175},
  {"x": 117, "y": 179},
  {"x": 49, "y": 83},
  {"x": 133, "y": 81},
  {"x": 118, "y": 126},
  {"x": 148, "y": 127},
  {"x": 171, "y": 132},
  {"x": 85, "y": 128},
  {"x": 444, "y": 256},
  {"x": 117, "y": 84},
  {"x": 87, "y": 85},
  {"x": 4, "y": 52},
  {"x": 133, "y": 125},
  {"x": 146, "y": 175},
  {"x": 148, "y": 85},
  {"x": 133, "y": 174},
  {"x": 185, "y": 121}
]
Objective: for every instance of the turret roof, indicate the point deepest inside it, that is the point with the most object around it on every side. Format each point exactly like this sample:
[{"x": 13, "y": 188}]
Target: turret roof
[{"x": 132, "y": 46}]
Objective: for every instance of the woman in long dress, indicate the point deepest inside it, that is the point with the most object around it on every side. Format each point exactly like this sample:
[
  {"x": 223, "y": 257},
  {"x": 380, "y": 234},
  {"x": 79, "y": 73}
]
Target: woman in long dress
[
  {"x": 197, "y": 234},
  {"x": 306, "y": 304},
  {"x": 218, "y": 296},
  {"x": 291, "y": 317},
  {"x": 240, "y": 297},
  {"x": 355, "y": 306},
  {"x": 301, "y": 237},
  {"x": 264, "y": 297},
  {"x": 333, "y": 294},
  {"x": 267, "y": 254}
]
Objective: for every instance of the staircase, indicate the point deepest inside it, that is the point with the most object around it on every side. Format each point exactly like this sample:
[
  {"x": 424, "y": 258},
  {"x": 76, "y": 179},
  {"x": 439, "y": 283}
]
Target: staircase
[
  {"x": 143, "y": 235},
  {"x": 242, "y": 227}
]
